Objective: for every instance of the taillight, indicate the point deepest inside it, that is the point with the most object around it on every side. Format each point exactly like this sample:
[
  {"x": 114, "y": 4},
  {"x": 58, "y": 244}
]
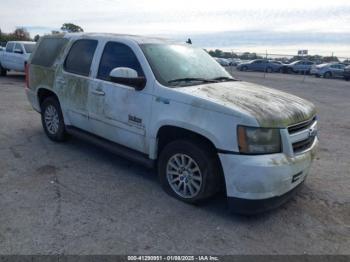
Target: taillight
[{"x": 26, "y": 69}]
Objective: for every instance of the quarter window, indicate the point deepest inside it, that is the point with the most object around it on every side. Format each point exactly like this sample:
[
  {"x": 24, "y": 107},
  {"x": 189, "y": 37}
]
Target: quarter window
[
  {"x": 117, "y": 55},
  {"x": 48, "y": 50},
  {"x": 80, "y": 57}
]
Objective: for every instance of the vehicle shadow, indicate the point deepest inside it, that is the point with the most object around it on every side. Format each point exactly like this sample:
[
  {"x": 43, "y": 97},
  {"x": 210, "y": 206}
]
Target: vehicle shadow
[
  {"x": 15, "y": 76},
  {"x": 216, "y": 205}
]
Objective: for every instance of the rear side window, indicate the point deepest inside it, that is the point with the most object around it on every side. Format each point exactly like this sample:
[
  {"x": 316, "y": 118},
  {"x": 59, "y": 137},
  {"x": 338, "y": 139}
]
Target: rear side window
[
  {"x": 47, "y": 51},
  {"x": 80, "y": 57},
  {"x": 9, "y": 47},
  {"x": 117, "y": 55},
  {"x": 29, "y": 48}
]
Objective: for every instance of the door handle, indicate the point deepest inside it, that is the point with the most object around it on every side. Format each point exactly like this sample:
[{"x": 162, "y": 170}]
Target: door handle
[{"x": 98, "y": 92}]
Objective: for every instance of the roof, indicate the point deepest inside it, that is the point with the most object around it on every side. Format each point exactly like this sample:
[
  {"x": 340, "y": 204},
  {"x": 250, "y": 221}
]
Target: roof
[
  {"x": 22, "y": 42},
  {"x": 136, "y": 38}
]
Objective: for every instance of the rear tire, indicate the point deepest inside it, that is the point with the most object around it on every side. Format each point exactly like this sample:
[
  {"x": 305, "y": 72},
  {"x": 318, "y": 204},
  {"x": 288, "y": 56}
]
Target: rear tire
[
  {"x": 52, "y": 120},
  {"x": 3, "y": 71},
  {"x": 189, "y": 171}
]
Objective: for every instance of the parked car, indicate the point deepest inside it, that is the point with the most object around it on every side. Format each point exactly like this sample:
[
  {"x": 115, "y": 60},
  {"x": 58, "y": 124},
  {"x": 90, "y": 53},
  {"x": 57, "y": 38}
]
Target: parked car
[
  {"x": 173, "y": 107},
  {"x": 301, "y": 66},
  {"x": 15, "y": 56},
  {"x": 234, "y": 61},
  {"x": 260, "y": 65},
  {"x": 347, "y": 73},
  {"x": 1, "y": 49},
  {"x": 328, "y": 70},
  {"x": 222, "y": 61}
]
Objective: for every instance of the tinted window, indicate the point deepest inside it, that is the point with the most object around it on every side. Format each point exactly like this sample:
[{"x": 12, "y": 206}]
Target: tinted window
[
  {"x": 18, "y": 47},
  {"x": 9, "y": 47},
  {"x": 117, "y": 55},
  {"x": 80, "y": 57},
  {"x": 29, "y": 48},
  {"x": 47, "y": 51}
]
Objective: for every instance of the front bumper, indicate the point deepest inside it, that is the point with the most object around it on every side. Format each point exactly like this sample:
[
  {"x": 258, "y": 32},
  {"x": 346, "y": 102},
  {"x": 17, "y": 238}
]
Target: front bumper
[
  {"x": 264, "y": 177},
  {"x": 249, "y": 207}
]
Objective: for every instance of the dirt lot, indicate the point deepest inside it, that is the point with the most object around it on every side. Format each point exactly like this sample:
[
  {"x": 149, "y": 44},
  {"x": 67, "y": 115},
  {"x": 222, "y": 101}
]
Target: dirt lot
[{"x": 75, "y": 198}]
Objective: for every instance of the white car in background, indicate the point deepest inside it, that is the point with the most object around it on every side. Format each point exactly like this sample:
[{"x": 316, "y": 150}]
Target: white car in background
[
  {"x": 15, "y": 56},
  {"x": 222, "y": 61}
]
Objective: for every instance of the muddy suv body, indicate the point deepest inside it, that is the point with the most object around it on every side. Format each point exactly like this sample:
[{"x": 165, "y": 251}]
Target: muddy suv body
[{"x": 171, "y": 106}]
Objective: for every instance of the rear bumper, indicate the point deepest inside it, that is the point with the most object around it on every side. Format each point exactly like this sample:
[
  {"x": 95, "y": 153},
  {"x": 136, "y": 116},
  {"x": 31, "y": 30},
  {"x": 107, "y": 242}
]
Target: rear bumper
[
  {"x": 33, "y": 99},
  {"x": 250, "y": 207}
]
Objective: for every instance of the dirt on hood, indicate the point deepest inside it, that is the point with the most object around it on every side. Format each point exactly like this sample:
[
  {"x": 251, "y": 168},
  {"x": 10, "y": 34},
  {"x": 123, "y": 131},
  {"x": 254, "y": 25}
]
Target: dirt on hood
[{"x": 270, "y": 107}]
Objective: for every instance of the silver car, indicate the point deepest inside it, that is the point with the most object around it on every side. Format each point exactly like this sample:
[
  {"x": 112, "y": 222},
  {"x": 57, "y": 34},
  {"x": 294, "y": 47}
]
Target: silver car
[{"x": 328, "y": 70}]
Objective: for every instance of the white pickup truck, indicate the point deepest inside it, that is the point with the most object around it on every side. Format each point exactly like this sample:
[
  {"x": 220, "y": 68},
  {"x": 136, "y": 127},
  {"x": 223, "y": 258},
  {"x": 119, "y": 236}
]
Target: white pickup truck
[
  {"x": 15, "y": 56},
  {"x": 172, "y": 106}
]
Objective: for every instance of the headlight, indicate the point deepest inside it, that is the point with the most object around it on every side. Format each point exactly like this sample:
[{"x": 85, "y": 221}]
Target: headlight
[{"x": 255, "y": 140}]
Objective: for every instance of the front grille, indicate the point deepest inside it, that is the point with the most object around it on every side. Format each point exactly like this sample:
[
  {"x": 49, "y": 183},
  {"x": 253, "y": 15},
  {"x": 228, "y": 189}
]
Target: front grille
[
  {"x": 301, "y": 126},
  {"x": 303, "y": 145}
]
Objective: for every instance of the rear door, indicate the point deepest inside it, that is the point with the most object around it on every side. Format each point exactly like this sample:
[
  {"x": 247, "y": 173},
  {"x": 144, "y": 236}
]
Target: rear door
[
  {"x": 73, "y": 82},
  {"x": 18, "y": 57},
  {"x": 338, "y": 70}
]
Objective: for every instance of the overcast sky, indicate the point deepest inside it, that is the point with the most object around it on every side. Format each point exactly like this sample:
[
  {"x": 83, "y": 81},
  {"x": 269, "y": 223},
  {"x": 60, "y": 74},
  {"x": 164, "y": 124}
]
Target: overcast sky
[{"x": 186, "y": 17}]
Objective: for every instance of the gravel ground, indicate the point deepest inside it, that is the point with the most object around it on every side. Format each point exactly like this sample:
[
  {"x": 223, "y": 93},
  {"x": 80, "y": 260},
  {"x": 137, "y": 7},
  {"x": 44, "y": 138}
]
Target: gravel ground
[{"x": 75, "y": 198}]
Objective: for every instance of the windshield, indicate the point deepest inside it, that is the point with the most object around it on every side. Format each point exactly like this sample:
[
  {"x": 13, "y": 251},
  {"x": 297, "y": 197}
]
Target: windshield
[
  {"x": 181, "y": 65},
  {"x": 29, "y": 48}
]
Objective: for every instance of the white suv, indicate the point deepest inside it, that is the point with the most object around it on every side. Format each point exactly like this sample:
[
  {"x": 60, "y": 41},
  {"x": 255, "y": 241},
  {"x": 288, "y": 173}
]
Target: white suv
[{"x": 172, "y": 106}]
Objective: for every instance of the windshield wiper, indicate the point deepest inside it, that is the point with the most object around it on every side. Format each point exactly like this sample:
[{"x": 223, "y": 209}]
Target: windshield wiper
[
  {"x": 192, "y": 79},
  {"x": 224, "y": 78}
]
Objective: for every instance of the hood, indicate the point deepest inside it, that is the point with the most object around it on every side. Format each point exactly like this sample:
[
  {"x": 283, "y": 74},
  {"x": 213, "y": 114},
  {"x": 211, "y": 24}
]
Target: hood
[{"x": 270, "y": 107}]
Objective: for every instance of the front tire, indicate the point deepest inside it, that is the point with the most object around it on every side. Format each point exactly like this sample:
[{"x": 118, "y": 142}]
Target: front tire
[
  {"x": 52, "y": 120},
  {"x": 327, "y": 75},
  {"x": 189, "y": 171}
]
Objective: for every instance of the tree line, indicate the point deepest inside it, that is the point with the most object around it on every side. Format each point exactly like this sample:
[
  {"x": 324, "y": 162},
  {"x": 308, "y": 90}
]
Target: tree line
[
  {"x": 251, "y": 56},
  {"x": 22, "y": 34}
]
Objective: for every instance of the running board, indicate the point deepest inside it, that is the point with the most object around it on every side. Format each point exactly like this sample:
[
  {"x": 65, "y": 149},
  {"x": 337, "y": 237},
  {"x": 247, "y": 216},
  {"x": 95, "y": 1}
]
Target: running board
[{"x": 113, "y": 147}]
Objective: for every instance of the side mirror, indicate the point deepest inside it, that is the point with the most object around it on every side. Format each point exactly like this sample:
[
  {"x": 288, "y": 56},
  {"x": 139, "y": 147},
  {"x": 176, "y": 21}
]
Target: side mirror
[
  {"x": 127, "y": 76},
  {"x": 18, "y": 51}
]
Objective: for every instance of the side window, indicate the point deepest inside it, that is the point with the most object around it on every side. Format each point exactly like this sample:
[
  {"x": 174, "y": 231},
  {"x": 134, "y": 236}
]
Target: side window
[
  {"x": 80, "y": 57},
  {"x": 117, "y": 55},
  {"x": 9, "y": 47},
  {"x": 18, "y": 47}
]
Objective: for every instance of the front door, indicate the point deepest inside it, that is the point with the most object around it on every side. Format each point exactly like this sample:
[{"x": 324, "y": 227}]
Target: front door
[{"x": 118, "y": 112}]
